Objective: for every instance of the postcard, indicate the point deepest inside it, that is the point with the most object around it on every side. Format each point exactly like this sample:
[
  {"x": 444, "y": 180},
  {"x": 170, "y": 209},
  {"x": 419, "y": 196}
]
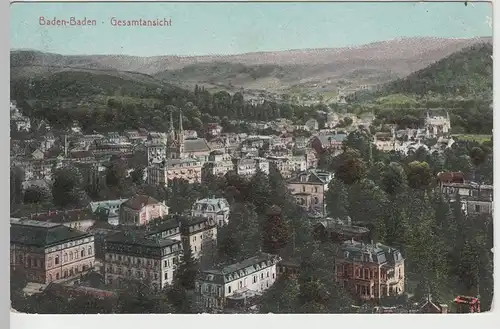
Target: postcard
[{"x": 251, "y": 157}]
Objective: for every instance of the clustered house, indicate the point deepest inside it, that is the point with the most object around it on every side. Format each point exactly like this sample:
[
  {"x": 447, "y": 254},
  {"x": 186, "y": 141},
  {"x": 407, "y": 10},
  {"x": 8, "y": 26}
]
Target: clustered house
[
  {"x": 235, "y": 284},
  {"x": 370, "y": 271},
  {"x": 130, "y": 256},
  {"x": 49, "y": 252}
]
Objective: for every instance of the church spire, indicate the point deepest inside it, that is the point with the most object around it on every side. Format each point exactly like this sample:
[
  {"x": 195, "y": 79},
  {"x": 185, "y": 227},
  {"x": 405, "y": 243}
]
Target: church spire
[
  {"x": 171, "y": 126},
  {"x": 180, "y": 122}
]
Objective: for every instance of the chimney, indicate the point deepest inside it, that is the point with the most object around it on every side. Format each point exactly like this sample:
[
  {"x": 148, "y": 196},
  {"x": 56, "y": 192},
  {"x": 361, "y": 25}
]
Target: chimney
[{"x": 444, "y": 309}]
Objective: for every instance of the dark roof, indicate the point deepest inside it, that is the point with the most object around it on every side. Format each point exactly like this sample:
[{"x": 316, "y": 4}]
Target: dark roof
[
  {"x": 138, "y": 239},
  {"x": 196, "y": 145},
  {"x": 64, "y": 216},
  {"x": 314, "y": 176},
  {"x": 451, "y": 177},
  {"x": 42, "y": 234},
  {"x": 139, "y": 201},
  {"x": 233, "y": 272},
  {"x": 82, "y": 154},
  {"x": 369, "y": 253}
]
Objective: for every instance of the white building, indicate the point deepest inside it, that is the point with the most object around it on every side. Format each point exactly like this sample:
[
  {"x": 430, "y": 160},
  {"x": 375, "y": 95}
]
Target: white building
[
  {"x": 250, "y": 277},
  {"x": 133, "y": 257},
  {"x": 215, "y": 208}
]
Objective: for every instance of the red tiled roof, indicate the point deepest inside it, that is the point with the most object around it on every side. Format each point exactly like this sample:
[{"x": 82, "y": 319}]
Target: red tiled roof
[
  {"x": 451, "y": 177},
  {"x": 139, "y": 201}
]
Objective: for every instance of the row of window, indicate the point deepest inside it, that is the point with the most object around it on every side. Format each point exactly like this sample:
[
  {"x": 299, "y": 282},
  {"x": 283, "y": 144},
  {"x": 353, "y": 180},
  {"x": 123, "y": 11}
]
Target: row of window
[
  {"x": 69, "y": 273},
  {"x": 72, "y": 255},
  {"x": 139, "y": 274}
]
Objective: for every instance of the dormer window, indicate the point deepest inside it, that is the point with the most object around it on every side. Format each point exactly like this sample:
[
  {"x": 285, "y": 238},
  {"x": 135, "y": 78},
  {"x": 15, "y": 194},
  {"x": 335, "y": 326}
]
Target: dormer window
[{"x": 303, "y": 178}]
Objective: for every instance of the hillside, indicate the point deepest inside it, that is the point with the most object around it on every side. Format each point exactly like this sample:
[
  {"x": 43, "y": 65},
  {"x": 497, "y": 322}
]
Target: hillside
[
  {"x": 308, "y": 70},
  {"x": 467, "y": 73}
]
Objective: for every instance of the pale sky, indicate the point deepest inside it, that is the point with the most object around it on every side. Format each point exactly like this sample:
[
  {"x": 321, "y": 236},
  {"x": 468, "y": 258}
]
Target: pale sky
[{"x": 230, "y": 28}]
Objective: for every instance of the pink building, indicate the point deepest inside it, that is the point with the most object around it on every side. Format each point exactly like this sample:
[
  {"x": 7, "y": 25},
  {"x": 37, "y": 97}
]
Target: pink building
[{"x": 141, "y": 209}]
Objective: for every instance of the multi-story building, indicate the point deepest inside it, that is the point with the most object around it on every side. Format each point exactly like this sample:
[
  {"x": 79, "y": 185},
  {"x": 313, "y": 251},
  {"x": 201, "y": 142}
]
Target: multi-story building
[
  {"x": 217, "y": 209},
  {"x": 289, "y": 165},
  {"x": 132, "y": 256},
  {"x": 254, "y": 275},
  {"x": 49, "y": 252},
  {"x": 201, "y": 235},
  {"x": 218, "y": 164},
  {"x": 370, "y": 271},
  {"x": 108, "y": 210},
  {"x": 186, "y": 168},
  {"x": 141, "y": 209},
  {"x": 157, "y": 174},
  {"x": 165, "y": 229},
  {"x": 248, "y": 166},
  {"x": 309, "y": 187}
]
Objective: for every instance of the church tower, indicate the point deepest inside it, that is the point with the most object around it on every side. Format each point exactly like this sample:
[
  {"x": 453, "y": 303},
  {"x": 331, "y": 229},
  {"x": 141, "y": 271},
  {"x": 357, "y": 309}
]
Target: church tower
[{"x": 180, "y": 137}]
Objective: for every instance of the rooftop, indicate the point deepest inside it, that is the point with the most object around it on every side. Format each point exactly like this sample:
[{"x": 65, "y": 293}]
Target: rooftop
[
  {"x": 138, "y": 239},
  {"x": 42, "y": 234},
  {"x": 139, "y": 201},
  {"x": 233, "y": 272},
  {"x": 369, "y": 253}
]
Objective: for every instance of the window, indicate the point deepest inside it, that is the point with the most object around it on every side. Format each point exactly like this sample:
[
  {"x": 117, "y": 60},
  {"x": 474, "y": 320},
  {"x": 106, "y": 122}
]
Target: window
[
  {"x": 267, "y": 274},
  {"x": 316, "y": 189},
  {"x": 165, "y": 275},
  {"x": 65, "y": 274},
  {"x": 261, "y": 276},
  {"x": 477, "y": 208},
  {"x": 195, "y": 249},
  {"x": 70, "y": 256},
  {"x": 156, "y": 276},
  {"x": 273, "y": 275},
  {"x": 56, "y": 260},
  {"x": 57, "y": 276},
  {"x": 254, "y": 279},
  {"x": 229, "y": 289},
  {"x": 241, "y": 284},
  {"x": 82, "y": 253},
  {"x": 303, "y": 188},
  {"x": 65, "y": 257}
]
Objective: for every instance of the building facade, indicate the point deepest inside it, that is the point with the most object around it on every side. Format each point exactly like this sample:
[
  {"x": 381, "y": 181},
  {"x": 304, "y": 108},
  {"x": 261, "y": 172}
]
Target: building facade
[
  {"x": 217, "y": 209},
  {"x": 151, "y": 260},
  {"x": 200, "y": 233},
  {"x": 309, "y": 187},
  {"x": 141, "y": 209},
  {"x": 370, "y": 271},
  {"x": 48, "y": 252},
  {"x": 214, "y": 287}
]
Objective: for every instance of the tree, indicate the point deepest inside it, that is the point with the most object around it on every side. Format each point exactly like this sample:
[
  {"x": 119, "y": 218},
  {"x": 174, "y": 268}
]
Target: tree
[
  {"x": 394, "y": 178},
  {"x": 282, "y": 297},
  {"x": 478, "y": 157},
  {"x": 419, "y": 175},
  {"x": 16, "y": 188},
  {"x": 67, "y": 188},
  {"x": 187, "y": 270},
  {"x": 275, "y": 231},
  {"x": 336, "y": 199},
  {"x": 137, "y": 175},
  {"x": 35, "y": 194},
  {"x": 259, "y": 192},
  {"x": 116, "y": 174},
  {"x": 240, "y": 239},
  {"x": 350, "y": 168}
]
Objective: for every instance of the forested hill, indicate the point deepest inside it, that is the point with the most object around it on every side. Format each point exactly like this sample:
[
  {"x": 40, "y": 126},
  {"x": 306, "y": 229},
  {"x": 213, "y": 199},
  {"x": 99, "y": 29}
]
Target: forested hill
[{"x": 467, "y": 73}]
